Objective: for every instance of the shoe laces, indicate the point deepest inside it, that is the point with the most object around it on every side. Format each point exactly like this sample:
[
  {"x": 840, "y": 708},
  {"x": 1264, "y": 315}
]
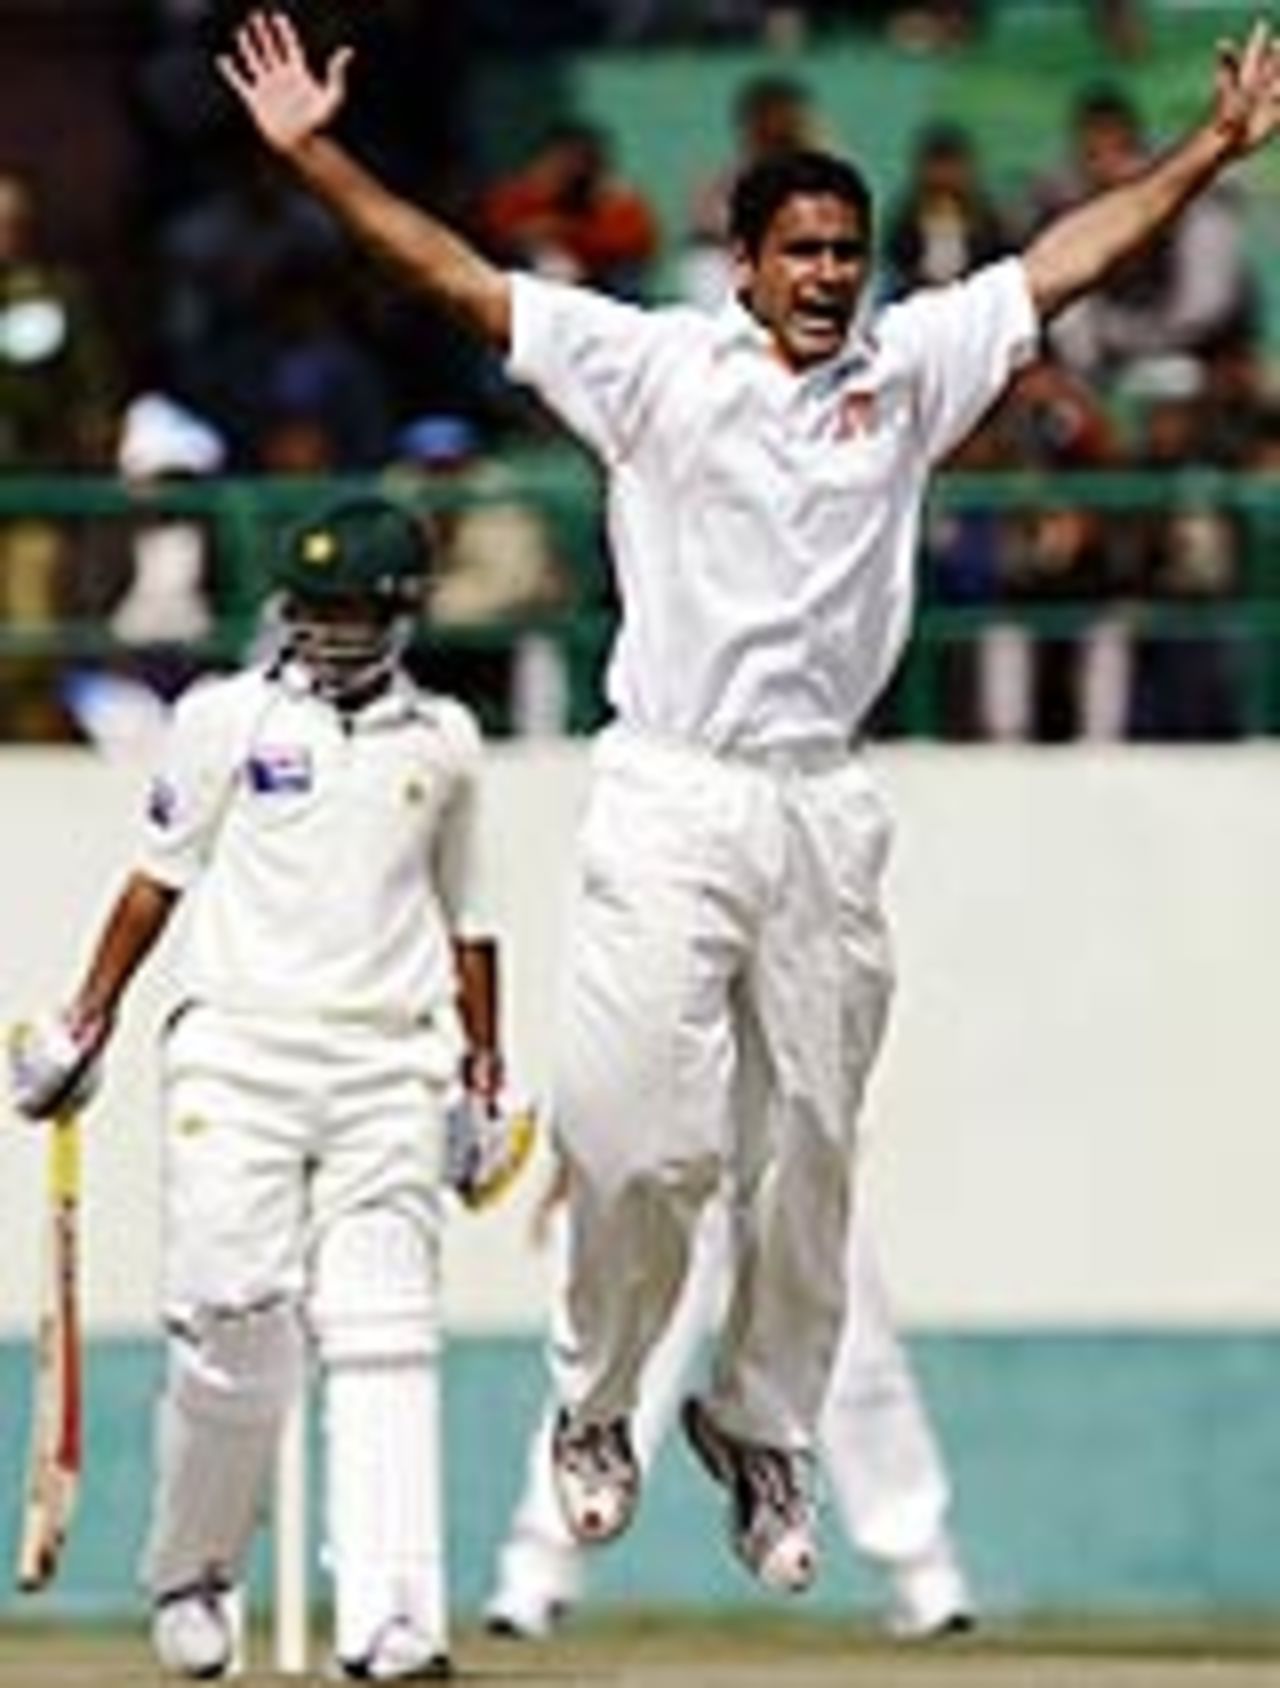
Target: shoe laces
[
  {"x": 599, "y": 1453},
  {"x": 770, "y": 1494}
]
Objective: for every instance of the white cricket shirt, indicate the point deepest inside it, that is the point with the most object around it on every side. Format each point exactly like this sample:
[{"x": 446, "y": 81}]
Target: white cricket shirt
[
  {"x": 764, "y": 524},
  {"x": 324, "y": 862}
]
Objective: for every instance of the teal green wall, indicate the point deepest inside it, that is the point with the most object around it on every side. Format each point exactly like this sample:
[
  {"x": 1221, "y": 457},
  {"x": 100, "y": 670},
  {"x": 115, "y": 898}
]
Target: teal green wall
[{"x": 1110, "y": 1473}]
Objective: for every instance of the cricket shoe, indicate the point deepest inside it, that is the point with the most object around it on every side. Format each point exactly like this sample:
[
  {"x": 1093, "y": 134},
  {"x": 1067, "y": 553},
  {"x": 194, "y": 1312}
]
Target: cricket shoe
[
  {"x": 399, "y": 1652},
  {"x": 597, "y": 1478},
  {"x": 771, "y": 1515},
  {"x": 524, "y": 1614},
  {"x": 485, "y": 1152},
  {"x": 931, "y": 1598},
  {"x": 191, "y": 1632},
  {"x": 539, "y": 1583}
]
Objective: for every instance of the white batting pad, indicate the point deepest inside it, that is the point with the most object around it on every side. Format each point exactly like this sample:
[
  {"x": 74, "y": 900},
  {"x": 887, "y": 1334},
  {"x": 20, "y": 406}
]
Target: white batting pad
[
  {"x": 374, "y": 1290},
  {"x": 376, "y": 1323},
  {"x": 231, "y": 1376}
]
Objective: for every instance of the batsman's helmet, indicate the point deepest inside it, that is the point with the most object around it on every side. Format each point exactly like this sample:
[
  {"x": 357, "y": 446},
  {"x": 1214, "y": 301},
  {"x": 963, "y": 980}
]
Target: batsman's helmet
[
  {"x": 351, "y": 579},
  {"x": 362, "y": 547}
]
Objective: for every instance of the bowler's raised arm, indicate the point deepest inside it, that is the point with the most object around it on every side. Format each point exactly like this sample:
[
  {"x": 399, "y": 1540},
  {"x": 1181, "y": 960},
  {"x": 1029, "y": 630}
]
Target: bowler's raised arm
[
  {"x": 1077, "y": 249},
  {"x": 292, "y": 106}
]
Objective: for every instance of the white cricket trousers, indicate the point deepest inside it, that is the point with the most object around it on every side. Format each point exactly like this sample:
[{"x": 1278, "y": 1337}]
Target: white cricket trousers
[
  {"x": 279, "y": 1129},
  {"x": 302, "y": 1198},
  {"x": 728, "y": 976}
]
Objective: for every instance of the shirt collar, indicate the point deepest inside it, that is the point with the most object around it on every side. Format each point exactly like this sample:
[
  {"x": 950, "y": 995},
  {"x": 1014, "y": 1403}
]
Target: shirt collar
[
  {"x": 398, "y": 699},
  {"x": 735, "y": 326}
]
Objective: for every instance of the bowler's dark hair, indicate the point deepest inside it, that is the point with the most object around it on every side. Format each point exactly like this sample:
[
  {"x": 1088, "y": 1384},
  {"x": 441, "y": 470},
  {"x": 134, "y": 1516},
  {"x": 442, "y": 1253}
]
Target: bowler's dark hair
[{"x": 763, "y": 189}]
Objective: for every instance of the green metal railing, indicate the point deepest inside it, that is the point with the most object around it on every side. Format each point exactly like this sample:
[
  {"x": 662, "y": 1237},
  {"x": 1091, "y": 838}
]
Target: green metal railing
[
  {"x": 244, "y": 515},
  {"x": 1244, "y": 620}
]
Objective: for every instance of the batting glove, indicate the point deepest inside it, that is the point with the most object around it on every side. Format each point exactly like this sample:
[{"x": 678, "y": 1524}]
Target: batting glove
[
  {"x": 488, "y": 1139},
  {"x": 53, "y": 1064}
]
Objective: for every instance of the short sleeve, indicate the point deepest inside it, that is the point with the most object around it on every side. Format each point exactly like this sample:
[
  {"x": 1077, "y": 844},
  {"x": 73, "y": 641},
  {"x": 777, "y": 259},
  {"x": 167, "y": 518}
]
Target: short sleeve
[
  {"x": 963, "y": 343},
  {"x": 585, "y": 355},
  {"x": 189, "y": 789}
]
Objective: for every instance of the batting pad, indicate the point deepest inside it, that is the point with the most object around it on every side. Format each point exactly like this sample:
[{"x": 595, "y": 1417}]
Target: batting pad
[
  {"x": 231, "y": 1377},
  {"x": 376, "y": 1324}
]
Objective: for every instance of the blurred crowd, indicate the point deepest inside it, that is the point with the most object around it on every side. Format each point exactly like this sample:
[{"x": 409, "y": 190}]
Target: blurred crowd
[
  {"x": 918, "y": 24},
  {"x": 261, "y": 345}
]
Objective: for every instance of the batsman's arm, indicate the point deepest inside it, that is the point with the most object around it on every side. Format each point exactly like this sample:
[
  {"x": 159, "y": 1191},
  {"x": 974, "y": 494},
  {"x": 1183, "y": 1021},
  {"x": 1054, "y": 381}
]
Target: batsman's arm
[
  {"x": 1078, "y": 248},
  {"x": 133, "y": 927},
  {"x": 479, "y": 1003},
  {"x": 292, "y": 106},
  {"x": 53, "y": 1060},
  {"x": 488, "y": 1140}
]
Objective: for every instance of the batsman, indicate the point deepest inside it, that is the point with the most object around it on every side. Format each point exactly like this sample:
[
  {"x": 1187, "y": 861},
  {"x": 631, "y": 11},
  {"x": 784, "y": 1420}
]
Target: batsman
[{"x": 314, "y": 816}]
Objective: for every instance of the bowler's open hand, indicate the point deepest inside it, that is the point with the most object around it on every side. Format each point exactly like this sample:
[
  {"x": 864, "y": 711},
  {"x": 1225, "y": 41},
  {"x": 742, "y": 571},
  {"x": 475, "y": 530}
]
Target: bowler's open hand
[
  {"x": 268, "y": 70},
  {"x": 1247, "y": 89}
]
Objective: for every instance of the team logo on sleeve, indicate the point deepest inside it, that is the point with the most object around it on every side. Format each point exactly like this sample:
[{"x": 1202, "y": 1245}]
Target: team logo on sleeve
[
  {"x": 279, "y": 769},
  {"x": 162, "y": 802}
]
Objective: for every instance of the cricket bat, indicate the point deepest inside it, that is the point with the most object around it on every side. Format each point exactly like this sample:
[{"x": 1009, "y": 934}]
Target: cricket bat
[{"x": 53, "y": 1473}]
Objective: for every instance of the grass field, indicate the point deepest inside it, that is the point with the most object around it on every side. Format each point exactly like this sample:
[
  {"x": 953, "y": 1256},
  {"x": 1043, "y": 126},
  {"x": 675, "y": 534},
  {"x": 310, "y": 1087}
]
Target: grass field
[{"x": 747, "y": 1652}]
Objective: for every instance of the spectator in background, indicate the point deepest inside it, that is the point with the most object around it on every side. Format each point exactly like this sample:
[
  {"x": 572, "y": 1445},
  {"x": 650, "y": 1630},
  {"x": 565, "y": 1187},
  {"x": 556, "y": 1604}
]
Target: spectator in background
[
  {"x": 495, "y": 554},
  {"x": 1121, "y": 26},
  {"x": 1189, "y": 681},
  {"x": 57, "y": 399},
  {"x": 1188, "y": 293},
  {"x": 313, "y": 369},
  {"x": 946, "y": 222},
  {"x": 171, "y": 587},
  {"x": 152, "y": 578},
  {"x": 564, "y": 213},
  {"x": 57, "y": 383},
  {"x": 930, "y": 25},
  {"x": 498, "y": 572},
  {"x": 772, "y": 115},
  {"x": 1070, "y": 681},
  {"x": 219, "y": 260},
  {"x": 292, "y": 442},
  {"x": 1236, "y": 399},
  {"x": 963, "y": 572}
]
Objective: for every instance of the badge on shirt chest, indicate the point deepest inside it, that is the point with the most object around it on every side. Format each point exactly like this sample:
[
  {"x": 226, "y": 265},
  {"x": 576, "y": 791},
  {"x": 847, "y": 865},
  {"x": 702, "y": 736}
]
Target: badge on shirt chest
[
  {"x": 280, "y": 769},
  {"x": 856, "y": 414}
]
